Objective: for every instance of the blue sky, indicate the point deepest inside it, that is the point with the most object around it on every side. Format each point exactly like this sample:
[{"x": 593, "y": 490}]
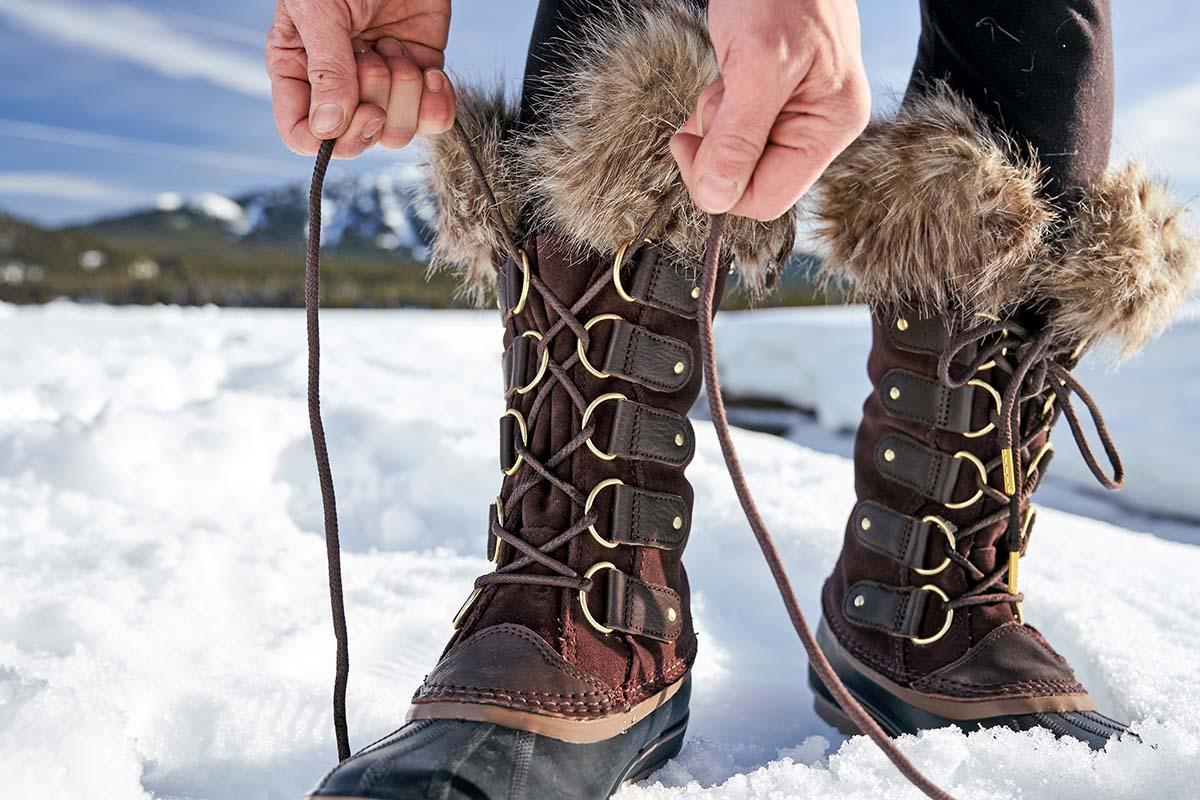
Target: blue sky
[{"x": 109, "y": 104}]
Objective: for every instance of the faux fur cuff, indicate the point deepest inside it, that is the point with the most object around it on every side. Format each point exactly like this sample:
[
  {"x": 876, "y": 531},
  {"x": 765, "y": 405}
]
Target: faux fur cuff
[
  {"x": 599, "y": 163},
  {"x": 933, "y": 208}
]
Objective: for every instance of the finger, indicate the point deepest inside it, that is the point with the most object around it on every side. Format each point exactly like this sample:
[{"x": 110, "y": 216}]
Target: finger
[
  {"x": 374, "y": 77},
  {"x": 786, "y": 171},
  {"x": 695, "y": 122},
  {"x": 735, "y": 138},
  {"x": 290, "y": 92},
  {"x": 404, "y": 102},
  {"x": 332, "y": 71},
  {"x": 364, "y": 131},
  {"x": 437, "y": 104}
]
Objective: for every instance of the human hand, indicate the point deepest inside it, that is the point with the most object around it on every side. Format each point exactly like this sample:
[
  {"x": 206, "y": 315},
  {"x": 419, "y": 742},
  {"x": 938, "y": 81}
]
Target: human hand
[
  {"x": 359, "y": 71},
  {"x": 792, "y": 95}
]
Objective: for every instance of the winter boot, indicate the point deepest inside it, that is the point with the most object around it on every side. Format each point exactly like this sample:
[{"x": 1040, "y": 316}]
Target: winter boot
[
  {"x": 568, "y": 671},
  {"x": 984, "y": 294}
]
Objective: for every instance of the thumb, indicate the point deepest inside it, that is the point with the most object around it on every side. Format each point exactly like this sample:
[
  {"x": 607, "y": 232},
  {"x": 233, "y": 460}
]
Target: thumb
[
  {"x": 733, "y": 142},
  {"x": 332, "y": 73}
]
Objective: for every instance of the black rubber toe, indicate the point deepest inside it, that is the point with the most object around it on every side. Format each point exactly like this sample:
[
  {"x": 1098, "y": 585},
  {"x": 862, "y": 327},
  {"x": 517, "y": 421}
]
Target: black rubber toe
[{"x": 457, "y": 760}]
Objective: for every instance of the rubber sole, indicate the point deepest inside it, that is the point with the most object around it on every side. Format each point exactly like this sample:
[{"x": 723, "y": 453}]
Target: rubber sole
[{"x": 654, "y": 755}]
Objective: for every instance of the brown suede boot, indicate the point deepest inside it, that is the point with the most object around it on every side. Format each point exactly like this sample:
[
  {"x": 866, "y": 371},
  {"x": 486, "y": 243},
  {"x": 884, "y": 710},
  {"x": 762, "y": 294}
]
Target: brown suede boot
[
  {"x": 984, "y": 295},
  {"x": 568, "y": 669}
]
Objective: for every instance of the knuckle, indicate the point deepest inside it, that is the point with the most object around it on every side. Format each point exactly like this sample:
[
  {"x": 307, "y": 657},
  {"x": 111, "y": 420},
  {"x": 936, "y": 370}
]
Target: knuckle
[
  {"x": 737, "y": 148},
  {"x": 326, "y": 76},
  {"x": 402, "y": 69},
  {"x": 373, "y": 71},
  {"x": 396, "y": 137}
]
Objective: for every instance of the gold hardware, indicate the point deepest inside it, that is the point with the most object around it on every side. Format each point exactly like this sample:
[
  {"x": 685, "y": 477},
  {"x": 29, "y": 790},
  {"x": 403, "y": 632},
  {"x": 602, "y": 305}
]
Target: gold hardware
[
  {"x": 889, "y": 455},
  {"x": 865, "y": 524},
  {"x": 991, "y": 426},
  {"x": 1048, "y": 406},
  {"x": 495, "y": 556},
  {"x": 932, "y": 589},
  {"x": 579, "y": 343},
  {"x": 949, "y": 532},
  {"x": 541, "y": 368},
  {"x": 520, "y": 306},
  {"x": 677, "y": 523},
  {"x": 894, "y": 393},
  {"x": 1014, "y": 563},
  {"x": 1010, "y": 471},
  {"x": 680, "y": 367},
  {"x": 982, "y": 477},
  {"x": 599, "y": 487},
  {"x": 617, "y": 262},
  {"x": 1046, "y": 449},
  {"x": 696, "y": 293},
  {"x": 587, "y": 612},
  {"x": 465, "y": 607},
  {"x": 587, "y": 416},
  {"x": 859, "y": 601},
  {"x": 679, "y": 440},
  {"x": 902, "y": 324},
  {"x": 512, "y": 412},
  {"x": 671, "y": 615}
]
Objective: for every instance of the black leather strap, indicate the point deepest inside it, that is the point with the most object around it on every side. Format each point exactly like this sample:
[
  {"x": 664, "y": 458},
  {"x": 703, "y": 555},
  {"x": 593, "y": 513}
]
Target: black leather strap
[
  {"x": 640, "y": 356},
  {"x": 930, "y": 472},
  {"x": 519, "y": 362},
  {"x": 643, "y": 518},
  {"x": 653, "y": 279},
  {"x": 905, "y": 329},
  {"x": 900, "y": 537},
  {"x": 640, "y": 608},
  {"x": 898, "y": 611},
  {"x": 644, "y": 433},
  {"x": 508, "y": 285},
  {"x": 908, "y": 395}
]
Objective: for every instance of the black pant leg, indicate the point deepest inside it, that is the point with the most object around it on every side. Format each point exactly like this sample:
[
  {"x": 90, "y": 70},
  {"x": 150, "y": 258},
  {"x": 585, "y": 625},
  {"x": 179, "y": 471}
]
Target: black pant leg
[{"x": 1041, "y": 70}]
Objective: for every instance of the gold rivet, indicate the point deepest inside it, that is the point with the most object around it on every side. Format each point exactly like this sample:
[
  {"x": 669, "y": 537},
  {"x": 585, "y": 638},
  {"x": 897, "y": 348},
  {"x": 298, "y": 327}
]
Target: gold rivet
[
  {"x": 859, "y": 601},
  {"x": 889, "y": 455},
  {"x": 671, "y": 615},
  {"x": 680, "y": 367},
  {"x": 679, "y": 440},
  {"x": 677, "y": 523},
  {"x": 902, "y": 324},
  {"x": 894, "y": 393},
  {"x": 865, "y": 524},
  {"x": 695, "y": 292}
]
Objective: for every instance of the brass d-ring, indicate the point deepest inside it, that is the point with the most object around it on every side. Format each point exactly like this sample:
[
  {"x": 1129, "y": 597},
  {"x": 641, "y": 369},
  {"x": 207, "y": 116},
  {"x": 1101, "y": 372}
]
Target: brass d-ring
[
  {"x": 617, "y": 263},
  {"x": 929, "y": 587},
  {"x": 583, "y": 353},
  {"x": 587, "y": 416},
  {"x": 527, "y": 388},
  {"x": 512, "y": 412},
  {"x": 524, "y": 296},
  {"x": 495, "y": 555},
  {"x": 949, "y": 532},
  {"x": 983, "y": 479},
  {"x": 587, "y": 507},
  {"x": 465, "y": 607},
  {"x": 991, "y": 426},
  {"x": 1046, "y": 449},
  {"x": 587, "y": 612}
]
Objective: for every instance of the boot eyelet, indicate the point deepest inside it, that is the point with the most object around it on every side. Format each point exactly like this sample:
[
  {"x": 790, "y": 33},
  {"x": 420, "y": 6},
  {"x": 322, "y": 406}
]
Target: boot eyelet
[
  {"x": 583, "y": 596},
  {"x": 948, "y": 530},
  {"x": 587, "y": 507},
  {"x": 520, "y": 418},
  {"x": 466, "y": 607},
  {"x": 527, "y": 388},
  {"x": 991, "y": 426},
  {"x": 524, "y": 297},
  {"x": 935, "y": 590},
  {"x": 583, "y": 359},
  {"x": 983, "y": 479},
  {"x": 587, "y": 417}
]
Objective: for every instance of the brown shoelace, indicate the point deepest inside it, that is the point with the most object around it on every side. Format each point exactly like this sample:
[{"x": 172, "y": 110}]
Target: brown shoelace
[{"x": 709, "y": 274}]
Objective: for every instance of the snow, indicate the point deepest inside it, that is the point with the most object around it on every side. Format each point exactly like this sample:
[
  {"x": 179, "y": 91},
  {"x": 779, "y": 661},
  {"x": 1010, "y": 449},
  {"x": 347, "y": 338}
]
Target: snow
[{"x": 163, "y": 614}]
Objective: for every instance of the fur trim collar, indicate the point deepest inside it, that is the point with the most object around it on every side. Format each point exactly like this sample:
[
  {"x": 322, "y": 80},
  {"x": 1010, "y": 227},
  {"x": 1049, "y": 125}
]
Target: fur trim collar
[
  {"x": 936, "y": 210},
  {"x": 596, "y": 169}
]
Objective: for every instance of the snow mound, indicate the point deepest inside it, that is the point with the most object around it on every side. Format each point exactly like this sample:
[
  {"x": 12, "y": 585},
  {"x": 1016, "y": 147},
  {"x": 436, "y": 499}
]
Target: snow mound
[{"x": 164, "y": 624}]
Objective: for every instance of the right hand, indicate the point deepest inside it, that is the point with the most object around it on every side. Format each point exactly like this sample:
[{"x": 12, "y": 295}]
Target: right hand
[{"x": 363, "y": 72}]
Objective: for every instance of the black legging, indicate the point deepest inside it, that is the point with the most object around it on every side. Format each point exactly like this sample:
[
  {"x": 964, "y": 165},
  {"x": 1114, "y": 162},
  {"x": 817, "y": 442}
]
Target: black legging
[{"x": 1041, "y": 70}]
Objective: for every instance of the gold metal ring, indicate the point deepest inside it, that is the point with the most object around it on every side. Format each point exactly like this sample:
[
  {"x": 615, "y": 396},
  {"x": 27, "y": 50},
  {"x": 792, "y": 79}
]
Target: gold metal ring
[
  {"x": 512, "y": 412},
  {"x": 587, "y": 507},
  {"x": 587, "y": 612},
  {"x": 946, "y": 529},
  {"x": 991, "y": 426},
  {"x": 983, "y": 479},
  {"x": 465, "y": 607},
  {"x": 579, "y": 343},
  {"x": 527, "y": 388},
  {"x": 1047, "y": 449},
  {"x": 587, "y": 416},
  {"x": 617, "y": 263},
  {"x": 520, "y": 306},
  {"x": 929, "y": 587},
  {"x": 495, "y": 556}
]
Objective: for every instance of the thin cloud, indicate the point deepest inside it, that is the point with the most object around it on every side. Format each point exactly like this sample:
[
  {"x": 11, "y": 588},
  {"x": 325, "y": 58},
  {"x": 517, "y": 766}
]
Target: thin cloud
[
  {"x": 1163, "y": 127},
  {"x": 142, "y": 38},
  {"x": 63, "y": 185}
]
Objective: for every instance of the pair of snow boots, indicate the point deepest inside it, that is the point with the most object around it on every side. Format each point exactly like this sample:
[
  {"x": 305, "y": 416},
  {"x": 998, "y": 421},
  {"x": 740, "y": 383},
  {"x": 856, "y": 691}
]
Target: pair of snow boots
[{"x": 568, "y": 671}]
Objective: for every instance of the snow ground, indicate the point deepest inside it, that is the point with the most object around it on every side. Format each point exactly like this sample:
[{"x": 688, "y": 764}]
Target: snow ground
[{"x": 163, "y": 615}]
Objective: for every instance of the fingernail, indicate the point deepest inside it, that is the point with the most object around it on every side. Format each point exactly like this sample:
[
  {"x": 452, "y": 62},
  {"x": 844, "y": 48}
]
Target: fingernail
[
  {"x": 326, "y": 119},
  {"x": 716, "y": 194},
  {"x": 435, "y": 81},
  {"x": 372, "y": 130}
]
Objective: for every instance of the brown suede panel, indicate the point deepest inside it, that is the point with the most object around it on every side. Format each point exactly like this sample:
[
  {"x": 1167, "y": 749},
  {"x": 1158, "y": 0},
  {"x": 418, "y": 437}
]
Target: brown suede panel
[
  {"x": 631, "y": 667},
  {"x": 897, "y": 658}
]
